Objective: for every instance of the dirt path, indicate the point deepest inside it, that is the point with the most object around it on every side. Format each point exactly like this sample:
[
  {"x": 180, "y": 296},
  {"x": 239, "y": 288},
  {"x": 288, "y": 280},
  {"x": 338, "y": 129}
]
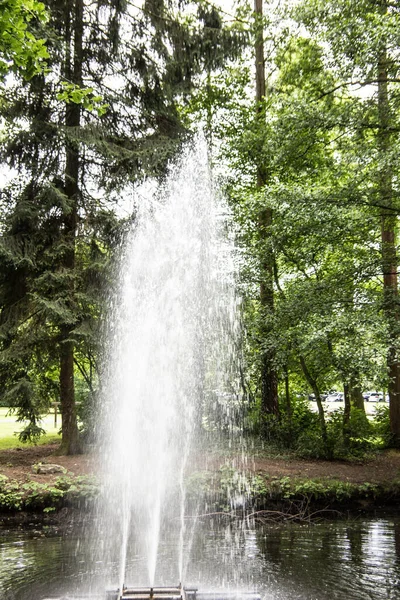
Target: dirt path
[{"x": 17, "y": 464}]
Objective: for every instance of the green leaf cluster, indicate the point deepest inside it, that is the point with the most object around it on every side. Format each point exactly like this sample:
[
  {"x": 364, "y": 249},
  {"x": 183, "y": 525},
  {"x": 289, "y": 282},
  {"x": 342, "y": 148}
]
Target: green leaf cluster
[{"x": 21, "y": 51}]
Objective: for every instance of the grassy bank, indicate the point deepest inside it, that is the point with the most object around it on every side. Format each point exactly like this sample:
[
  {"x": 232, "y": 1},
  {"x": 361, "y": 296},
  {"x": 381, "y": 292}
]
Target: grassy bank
[
  {"x": 72, "y": 491},
  {"x": 266, "y": 497},
  {"x": 217, "y": 494}
]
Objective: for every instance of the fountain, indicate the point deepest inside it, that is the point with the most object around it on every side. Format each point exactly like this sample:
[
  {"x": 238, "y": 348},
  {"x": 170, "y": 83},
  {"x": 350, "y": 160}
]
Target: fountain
[
  {"x": 171, "y": 332},
  {"x": 151, "y": 359}
]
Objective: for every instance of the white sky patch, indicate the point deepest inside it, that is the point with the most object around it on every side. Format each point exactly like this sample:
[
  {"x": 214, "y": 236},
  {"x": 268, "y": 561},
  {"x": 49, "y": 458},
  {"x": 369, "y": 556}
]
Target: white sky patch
[{"x": 6, "y": 175}]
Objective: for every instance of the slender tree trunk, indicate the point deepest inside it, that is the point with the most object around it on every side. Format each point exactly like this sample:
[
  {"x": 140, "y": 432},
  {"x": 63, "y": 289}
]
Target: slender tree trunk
[
  {"x": 346, "y": 414},
  {"x": 289, "y": 410},
  {"x": 287, "y": 396},
  {"x": 70, "y": 439},
  {"x": 314, "y": 386},
  {"x": 269, "y": 382},
  {"x": 388, "y": 239},
  {"x": 73, "y": 73}
]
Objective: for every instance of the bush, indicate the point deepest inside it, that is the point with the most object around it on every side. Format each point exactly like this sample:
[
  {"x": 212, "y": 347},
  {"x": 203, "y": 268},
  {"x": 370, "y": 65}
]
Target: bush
[
  {"x": 359, "y": 438},
  {"x": 302, "y": 432},
  {"x": 295, "y": 431},
  {"x": 381, "y": 424}
]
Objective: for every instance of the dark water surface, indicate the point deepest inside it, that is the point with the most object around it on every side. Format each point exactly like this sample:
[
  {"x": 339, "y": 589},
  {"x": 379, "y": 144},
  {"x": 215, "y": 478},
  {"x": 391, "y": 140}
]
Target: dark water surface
[{"x": 351, "y": 560}]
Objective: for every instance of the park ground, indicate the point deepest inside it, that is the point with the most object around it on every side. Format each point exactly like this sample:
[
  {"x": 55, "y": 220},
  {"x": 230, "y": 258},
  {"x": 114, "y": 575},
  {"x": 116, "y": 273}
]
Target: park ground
[
  {"x": 16, "y": 463},
  {"x": 17, "y": 459}
]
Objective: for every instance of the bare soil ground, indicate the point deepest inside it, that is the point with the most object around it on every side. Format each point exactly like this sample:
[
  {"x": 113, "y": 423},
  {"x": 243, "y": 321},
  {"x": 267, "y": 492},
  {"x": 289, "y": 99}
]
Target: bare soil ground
[{"x": 17, "y": 464}]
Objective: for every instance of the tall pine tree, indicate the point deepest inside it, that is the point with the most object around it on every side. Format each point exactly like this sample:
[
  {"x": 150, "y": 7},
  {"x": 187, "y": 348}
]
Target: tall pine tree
[{"x": 59, "y": 226}]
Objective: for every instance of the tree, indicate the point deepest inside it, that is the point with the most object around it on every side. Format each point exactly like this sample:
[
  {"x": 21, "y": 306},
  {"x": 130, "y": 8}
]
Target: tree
[
  {"x": 326, "y": 316},
  {"x": 59, "y": 227},
  {"x": 269, "y": 384},
  {"x": 327, "y": 155},
  {"x": 363, "y": 43}
]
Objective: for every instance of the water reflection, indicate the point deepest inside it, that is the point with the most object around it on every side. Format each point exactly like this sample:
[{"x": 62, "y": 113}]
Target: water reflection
[{"x": 352, "y": 560}]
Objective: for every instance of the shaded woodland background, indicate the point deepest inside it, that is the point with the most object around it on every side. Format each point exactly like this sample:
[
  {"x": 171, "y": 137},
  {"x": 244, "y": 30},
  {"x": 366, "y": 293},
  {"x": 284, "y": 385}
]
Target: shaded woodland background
[{"x": 300, "y": 105}]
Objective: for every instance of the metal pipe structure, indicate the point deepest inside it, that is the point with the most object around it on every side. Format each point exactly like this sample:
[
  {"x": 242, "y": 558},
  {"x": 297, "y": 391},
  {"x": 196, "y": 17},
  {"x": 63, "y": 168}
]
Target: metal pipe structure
[
  {"x": 166, "y": 593},
  {"x": 176, "y": 593}
]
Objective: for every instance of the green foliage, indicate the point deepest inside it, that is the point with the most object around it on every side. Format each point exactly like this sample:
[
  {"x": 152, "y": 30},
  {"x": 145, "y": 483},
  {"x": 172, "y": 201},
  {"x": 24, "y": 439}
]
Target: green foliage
[
  {"x": 71, "y": 92},
  {"x": 21, "y": 51},
  {"x": 333, "y": 490},
  {"x": 292, "y": 430},
  {"x": 259, "y": 490},
  {"x": 360, "y": 437},
  {"x": 382, "y": 424},
  {"x": 316, "y": 138},
  {"x": 33, "y": 496},
  {"x": 319, "y": 143},
  {"x": 264, "y": 491},
  {"x": 300, "y": 432},
  {"x": 314, "y": 491}
]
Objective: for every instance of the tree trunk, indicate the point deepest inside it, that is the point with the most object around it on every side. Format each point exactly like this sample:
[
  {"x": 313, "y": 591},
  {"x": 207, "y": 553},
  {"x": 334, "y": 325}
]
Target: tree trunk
[
  {"x": 269, "y": 382},
  {"x": 356, "y": 397},
  {"x": 346, "y": 414},
  {"x": 287, "y": 396},
  {"x": 73, "y": 73},
  {"x": 314, "y": 386},
  {"x": 70, "y": 437},
  {"x": 388, "y": 238}
]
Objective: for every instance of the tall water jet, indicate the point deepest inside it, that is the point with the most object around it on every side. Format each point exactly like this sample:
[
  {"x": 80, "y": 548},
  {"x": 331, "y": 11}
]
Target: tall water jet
[{"x": 171, "y": 327}]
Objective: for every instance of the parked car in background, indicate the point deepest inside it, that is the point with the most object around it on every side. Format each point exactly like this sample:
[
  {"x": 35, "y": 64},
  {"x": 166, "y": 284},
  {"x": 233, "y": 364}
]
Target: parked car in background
[
  {"x": 336, "y": 397},
  {"x": 373, "y": 396}
]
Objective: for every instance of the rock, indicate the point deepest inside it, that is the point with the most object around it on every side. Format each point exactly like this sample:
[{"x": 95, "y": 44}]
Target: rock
[{"x": 49, "y": 469}]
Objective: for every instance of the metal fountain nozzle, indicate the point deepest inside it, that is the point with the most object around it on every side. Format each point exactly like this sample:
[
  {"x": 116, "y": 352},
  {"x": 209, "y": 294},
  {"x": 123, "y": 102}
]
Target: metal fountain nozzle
[
  {"x": 152, "y": 593},
  {"x": 176, "y": 593}
]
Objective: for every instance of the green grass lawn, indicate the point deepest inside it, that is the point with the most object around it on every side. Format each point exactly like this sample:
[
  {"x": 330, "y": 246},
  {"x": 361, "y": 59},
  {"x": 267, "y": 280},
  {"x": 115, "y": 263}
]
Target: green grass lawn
[{"x": 9, "y": 429}]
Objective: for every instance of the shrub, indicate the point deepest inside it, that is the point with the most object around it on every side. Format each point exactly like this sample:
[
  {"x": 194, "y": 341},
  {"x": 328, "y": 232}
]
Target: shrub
[{"x": 381, "y": 424}]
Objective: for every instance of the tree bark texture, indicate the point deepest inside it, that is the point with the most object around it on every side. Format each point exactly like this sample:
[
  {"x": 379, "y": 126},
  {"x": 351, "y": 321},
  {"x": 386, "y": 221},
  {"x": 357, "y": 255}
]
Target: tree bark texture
[
  {"x": 73, "y": 73},
  {"x": 269, "y": 382},
  {"x": 388, "y": 238}
]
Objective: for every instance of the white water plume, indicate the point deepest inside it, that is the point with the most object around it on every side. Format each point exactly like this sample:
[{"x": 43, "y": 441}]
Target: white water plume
[{"x": 173, "y": 317}]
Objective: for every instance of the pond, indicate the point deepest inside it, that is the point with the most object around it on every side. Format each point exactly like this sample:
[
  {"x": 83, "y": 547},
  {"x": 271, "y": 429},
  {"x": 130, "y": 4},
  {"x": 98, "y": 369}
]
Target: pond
[{"x": 351, "y": 559}]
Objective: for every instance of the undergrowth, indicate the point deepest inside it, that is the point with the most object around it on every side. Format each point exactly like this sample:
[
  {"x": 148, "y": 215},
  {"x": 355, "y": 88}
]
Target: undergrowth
[
  {"x": 228, "y": 491},
  {"x": 300, "y": 434},
  {"x": 47, "y": 497}
]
